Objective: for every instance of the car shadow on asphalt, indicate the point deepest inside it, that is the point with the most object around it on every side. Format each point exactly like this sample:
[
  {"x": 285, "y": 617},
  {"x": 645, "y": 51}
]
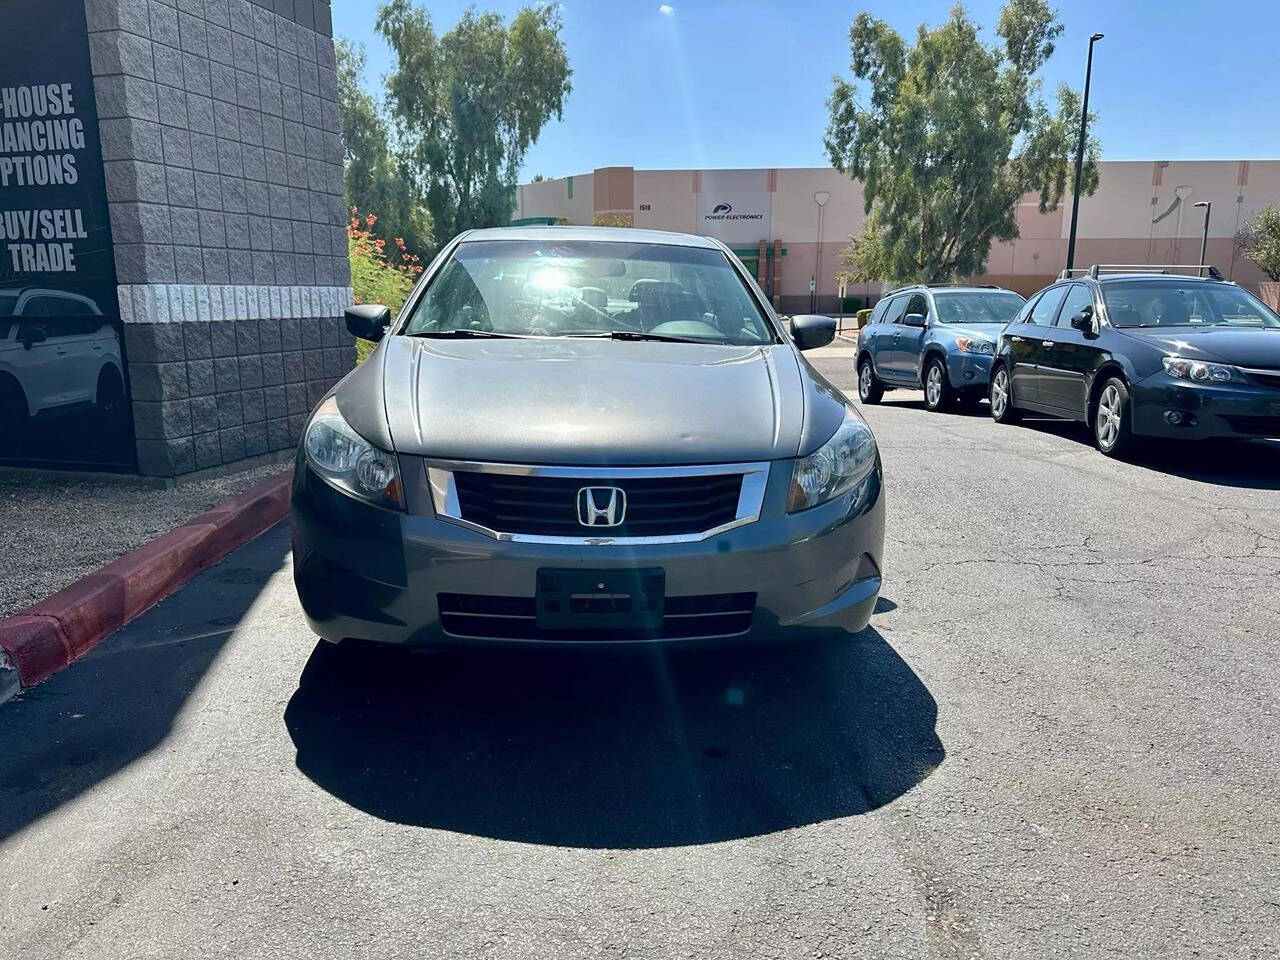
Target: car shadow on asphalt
[
  {"x": 88, "y": 722},
  {"x": 618, "y": 749},
  {"x": 1253, "y": 464},
  {"x": 914, "y": 400}
]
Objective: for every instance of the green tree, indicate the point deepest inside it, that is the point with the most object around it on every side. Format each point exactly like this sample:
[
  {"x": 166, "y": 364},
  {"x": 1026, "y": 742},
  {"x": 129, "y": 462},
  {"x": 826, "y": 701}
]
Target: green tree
[
  {"x": 1259, "y": 240},
  {"x": 375, "y": 180},
  {"x": 950, "y": 137},
  {"x": 468, "y": 104}
]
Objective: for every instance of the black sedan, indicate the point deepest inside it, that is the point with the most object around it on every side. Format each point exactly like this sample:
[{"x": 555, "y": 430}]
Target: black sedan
[{"x": 1143, "y": 355}]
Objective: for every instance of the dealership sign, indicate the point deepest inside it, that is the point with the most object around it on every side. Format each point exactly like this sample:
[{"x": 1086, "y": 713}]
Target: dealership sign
[
  {"x": 63, "y": 395},
  {"x": 54, "y": 226}
]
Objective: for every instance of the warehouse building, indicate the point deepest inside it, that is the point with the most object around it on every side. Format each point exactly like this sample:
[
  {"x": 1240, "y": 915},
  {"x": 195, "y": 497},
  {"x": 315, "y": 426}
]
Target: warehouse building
[{"x": 789, "y": 225}]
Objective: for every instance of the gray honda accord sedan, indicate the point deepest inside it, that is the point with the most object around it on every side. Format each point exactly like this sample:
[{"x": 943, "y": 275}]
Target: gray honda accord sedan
[{"x": 585, "y": 436}]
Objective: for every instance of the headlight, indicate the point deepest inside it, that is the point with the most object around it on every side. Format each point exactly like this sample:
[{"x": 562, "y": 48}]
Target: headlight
[
  {"x": 348, "y": 461},
  {"x": 1201, "y": 372},
  {"x": 974, "y": 345},
  {"x": 837, "y": 466}
]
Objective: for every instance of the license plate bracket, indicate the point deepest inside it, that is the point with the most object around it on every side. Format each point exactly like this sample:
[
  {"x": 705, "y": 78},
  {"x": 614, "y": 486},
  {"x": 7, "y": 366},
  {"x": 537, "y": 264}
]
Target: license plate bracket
[{"x": 574, "y": 599}]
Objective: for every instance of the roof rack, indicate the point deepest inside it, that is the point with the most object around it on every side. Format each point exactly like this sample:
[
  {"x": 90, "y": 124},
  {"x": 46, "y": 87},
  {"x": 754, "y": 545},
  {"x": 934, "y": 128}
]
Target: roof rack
[
  {"x": 915, "y": 286},
  {"x": 1196, "y": 269}
]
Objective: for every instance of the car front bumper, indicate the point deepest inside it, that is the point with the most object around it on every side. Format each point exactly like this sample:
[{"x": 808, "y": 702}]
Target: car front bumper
[
  {"x": 1167, "y": 406},
  {"x": 374, "y": 574},
  {"x": 965, "y": 370}
]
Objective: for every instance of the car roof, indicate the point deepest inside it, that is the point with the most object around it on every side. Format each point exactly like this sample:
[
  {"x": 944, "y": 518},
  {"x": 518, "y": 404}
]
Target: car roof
[
  {"x": 606, "y": 234},
  {"x": 950, "y": 288},
  {"x": 966, "y": 288}
]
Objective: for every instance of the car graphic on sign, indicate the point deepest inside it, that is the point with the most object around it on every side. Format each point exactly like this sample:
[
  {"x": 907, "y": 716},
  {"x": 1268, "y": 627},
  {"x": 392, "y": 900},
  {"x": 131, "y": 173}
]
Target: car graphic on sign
[{"x": 56, "y": 351}]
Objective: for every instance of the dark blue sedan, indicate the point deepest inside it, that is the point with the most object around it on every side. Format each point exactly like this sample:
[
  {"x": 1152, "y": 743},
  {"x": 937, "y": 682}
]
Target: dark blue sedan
[{"x": 1143, "y": 355}]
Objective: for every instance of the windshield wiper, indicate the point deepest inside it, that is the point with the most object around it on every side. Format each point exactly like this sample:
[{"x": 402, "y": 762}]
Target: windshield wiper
[
  {"x": 462, "y": 334},
  {"x": 642, "y": 335}
]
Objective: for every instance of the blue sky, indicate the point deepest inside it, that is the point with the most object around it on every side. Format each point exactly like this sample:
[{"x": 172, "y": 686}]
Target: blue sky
[{"x": 742, "y": 83}]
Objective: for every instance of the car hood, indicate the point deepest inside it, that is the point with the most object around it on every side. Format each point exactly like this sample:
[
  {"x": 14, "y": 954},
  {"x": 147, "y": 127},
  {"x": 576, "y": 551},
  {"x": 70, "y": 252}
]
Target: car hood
[
  {"x": 601, "y": 402},
  {"x": 1242, "y": 347},
  {"x": 984, "y": 331}
]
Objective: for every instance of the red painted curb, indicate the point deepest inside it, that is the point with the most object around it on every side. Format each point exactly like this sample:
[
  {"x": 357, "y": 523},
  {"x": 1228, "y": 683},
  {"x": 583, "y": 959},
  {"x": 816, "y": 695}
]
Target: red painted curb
[{"x": 60, "y": 629}]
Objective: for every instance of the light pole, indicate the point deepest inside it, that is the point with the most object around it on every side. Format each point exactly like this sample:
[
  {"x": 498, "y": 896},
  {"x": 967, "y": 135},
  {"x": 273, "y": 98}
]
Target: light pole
[
  {"x": 1204, "y": 240},
  {"x": 820, "y": 198},
  {"x": 1084, "y": 122}
]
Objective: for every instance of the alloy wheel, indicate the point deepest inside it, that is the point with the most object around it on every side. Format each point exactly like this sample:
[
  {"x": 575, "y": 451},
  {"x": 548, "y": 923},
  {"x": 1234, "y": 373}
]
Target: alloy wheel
[
  {"x": 1108, "y": 419},
  {"x": 999, "y": 393},
  {"x": 864, "y": 381},
  {"x": 933, "y": 385}
]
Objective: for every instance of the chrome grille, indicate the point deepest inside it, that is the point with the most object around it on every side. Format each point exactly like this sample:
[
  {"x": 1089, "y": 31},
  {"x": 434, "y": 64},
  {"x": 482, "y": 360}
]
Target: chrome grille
[
  {"x": 655, "y": 506},
  {"x": 546, "y": 504}
]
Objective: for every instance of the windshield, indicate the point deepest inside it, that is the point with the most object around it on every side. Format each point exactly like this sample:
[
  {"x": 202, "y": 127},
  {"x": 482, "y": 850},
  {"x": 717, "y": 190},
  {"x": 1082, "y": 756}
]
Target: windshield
[
  {"x": 984, "y": 306},
  {"x": 560, "y": 288},
  {"x": 1168, "y": 303}
]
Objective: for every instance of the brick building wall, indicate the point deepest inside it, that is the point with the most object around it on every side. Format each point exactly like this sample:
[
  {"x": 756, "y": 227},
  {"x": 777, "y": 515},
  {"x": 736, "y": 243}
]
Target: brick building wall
[{"x": 223, "y": 160}]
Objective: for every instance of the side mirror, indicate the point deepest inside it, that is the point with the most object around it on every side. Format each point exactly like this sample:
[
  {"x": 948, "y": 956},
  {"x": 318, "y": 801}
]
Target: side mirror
[
  {"x": 368, "y": 321},
  {"x": 33, "y": 335},
  {"x": 914, "y": 320},
  {"x": 809, "y": 330},
  {"x": 1083, "y": 320}
]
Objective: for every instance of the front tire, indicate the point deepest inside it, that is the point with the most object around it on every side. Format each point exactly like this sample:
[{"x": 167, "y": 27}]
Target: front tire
[
  {"x": 14, "y": 415},
  {"x": 870, "y": 389},
  {"x": 937, "y": 392},
  {"x": 1112, "y": 429},
  {"x": 110, "y": 397},
  {"x": 1002, "y": 408}
]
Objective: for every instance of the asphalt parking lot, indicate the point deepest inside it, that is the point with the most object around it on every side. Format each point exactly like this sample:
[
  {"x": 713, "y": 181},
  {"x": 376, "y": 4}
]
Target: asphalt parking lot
[{"x": 1059, "y": 737}]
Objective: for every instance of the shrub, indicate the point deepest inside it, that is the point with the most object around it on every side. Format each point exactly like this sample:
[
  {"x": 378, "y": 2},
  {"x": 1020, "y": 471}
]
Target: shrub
[
  {"x": 377, "y": 277},
  {"x": 1259, "y": 240}
]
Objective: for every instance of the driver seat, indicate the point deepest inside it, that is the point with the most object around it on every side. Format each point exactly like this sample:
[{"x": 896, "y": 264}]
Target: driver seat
[{"x": 1175, "y": 312}]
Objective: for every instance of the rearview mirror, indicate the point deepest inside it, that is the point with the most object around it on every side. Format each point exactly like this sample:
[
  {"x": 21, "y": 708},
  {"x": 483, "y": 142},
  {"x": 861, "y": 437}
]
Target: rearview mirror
[
  {"x": 809, "y": 330},
  {"x": 914, "y": 320},
  {"x": 368, "y": 321},
  {"x": 1083, "y": 320},
  {"x": 607, "y": 268}
]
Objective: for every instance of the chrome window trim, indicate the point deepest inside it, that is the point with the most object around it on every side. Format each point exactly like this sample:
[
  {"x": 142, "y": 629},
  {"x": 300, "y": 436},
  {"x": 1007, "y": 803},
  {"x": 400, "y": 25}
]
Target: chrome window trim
[{"x": 444, "y": 496}]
